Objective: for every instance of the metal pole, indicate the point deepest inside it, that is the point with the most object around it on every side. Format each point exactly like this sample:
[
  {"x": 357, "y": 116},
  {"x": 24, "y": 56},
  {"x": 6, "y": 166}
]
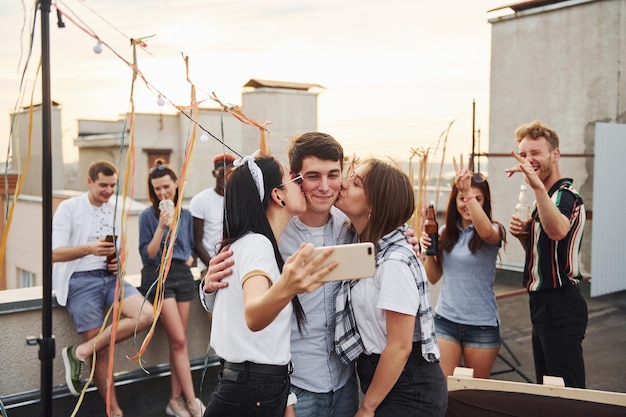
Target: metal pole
[{"x": 46, "y": 343}]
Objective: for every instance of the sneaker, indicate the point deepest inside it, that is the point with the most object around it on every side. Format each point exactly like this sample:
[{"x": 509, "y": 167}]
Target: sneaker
[
  {"x": 195, "y": 407},
  {"x": 73, "y": 370},
  {"x": 177, "y": 408}
]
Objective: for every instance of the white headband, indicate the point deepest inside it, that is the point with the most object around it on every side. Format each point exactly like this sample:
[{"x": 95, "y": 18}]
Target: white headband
[{"x": 254, "y": 169}]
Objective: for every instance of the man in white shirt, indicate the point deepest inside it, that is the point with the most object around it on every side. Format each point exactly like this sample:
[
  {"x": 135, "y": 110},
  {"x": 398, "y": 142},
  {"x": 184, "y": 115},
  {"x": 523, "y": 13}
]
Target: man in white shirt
[
  {"x": 85, "y": 276},
  {"x": 207, "y": 209}
]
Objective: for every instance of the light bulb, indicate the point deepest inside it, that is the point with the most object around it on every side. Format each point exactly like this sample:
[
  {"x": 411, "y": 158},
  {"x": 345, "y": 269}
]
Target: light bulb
[
  {"x": 204, "y": 137},
  {"x": 161, "y": 101},
  {"x": 97, "y": 48}
]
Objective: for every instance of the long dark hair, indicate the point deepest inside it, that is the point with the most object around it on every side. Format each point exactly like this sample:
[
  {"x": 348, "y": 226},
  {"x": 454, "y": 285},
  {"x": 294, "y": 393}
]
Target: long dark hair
[
  {"x": 244, "y": 212},
  {"x": 450, "y": 234},
  {"x": 160, "y": 169}
]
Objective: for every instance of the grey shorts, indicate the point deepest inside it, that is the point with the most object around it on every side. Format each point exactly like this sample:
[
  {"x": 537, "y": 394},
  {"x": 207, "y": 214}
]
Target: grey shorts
[{"x": 90, "y": 292}]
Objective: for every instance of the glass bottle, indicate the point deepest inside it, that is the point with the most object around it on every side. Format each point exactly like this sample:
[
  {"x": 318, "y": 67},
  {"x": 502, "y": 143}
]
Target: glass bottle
[
  {"x": 432, "y": 230},
  {"x": 522, "y": 208}
]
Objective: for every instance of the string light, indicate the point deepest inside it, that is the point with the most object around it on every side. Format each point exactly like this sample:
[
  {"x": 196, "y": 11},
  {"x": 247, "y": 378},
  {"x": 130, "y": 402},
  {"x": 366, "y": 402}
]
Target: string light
[
  {"x": 161, "y": 101},
  {"x": 97, "y": 48},
  {"x": 204, "y": 137}
]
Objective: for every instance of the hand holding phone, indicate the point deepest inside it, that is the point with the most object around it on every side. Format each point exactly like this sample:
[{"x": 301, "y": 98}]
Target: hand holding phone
[
  {"x": 356, "y": 261},
  {"x": 111, "y": 238}
]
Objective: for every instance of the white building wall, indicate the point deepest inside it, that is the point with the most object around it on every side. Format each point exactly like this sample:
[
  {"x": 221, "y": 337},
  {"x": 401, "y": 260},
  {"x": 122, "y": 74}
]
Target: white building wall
[
  {"x": 201, "y": 166},
  {"x": 562, "y": 64},
  {"x": 292, "y": 112},
  {"x": 19, "y": 149}
]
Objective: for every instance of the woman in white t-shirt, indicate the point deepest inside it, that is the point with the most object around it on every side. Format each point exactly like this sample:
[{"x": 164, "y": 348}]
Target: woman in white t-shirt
[
  {"x": 251, "y": 323},
  {"x": 399, "y": 370}
]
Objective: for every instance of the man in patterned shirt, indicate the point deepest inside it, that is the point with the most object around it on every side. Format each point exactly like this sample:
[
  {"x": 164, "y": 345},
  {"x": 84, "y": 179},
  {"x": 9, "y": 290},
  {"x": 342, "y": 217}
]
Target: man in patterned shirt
[{"x": 552, "y": 243}]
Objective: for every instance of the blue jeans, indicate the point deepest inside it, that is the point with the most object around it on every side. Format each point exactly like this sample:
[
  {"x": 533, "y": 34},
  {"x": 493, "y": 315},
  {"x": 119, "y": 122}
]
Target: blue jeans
[
  {"x": 248, "y": 394},
  {"x": 341, "y": 403},
  {"x": 420, "y": 391}
]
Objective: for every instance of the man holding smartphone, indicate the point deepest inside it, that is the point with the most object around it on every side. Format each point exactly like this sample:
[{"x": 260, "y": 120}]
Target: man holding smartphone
[{"x": 84, "y": 277}]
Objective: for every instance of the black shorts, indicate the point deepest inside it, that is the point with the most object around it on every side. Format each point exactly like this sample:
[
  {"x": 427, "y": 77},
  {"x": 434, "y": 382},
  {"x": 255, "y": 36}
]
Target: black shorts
[{"x": 179, "y": 282}]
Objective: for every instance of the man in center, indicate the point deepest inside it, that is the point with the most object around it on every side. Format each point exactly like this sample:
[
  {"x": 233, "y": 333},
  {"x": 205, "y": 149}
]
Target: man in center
[{"x": 322, "y": 383}]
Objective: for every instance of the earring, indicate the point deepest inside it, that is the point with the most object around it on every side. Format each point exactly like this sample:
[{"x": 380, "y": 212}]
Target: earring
[{"x": 282, "y": 203}]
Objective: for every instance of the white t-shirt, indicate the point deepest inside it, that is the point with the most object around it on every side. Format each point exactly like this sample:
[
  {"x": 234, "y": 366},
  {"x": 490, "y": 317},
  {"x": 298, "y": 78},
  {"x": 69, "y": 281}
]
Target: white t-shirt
[
  {"x": 230, "y": 336},
  {"x": 101, "y": 225},
  {"x": 209, "y": 206},
  {"x": 393, "y": 288}
]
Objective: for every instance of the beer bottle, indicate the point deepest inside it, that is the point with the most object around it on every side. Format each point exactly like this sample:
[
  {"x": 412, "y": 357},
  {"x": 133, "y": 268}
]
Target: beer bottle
[
  {"x": 522, "y": 208},
  {"x": 432, "y": 230}
]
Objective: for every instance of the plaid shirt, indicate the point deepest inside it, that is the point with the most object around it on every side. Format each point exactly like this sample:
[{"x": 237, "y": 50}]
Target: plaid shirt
[{"x": 348, "y": 343}]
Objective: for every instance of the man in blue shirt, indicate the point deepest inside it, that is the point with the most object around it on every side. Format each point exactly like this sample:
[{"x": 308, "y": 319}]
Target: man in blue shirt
[{"x": 323, "y": 385}]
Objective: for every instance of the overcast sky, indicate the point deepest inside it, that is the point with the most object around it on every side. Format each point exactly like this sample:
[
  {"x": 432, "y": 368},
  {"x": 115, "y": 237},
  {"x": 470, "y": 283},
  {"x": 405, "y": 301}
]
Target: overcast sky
[{"x": 397, "y": 72}]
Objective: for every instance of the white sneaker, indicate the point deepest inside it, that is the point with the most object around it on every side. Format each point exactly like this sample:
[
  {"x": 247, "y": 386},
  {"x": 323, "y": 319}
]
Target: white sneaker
[{"x": 177, "y": 408}]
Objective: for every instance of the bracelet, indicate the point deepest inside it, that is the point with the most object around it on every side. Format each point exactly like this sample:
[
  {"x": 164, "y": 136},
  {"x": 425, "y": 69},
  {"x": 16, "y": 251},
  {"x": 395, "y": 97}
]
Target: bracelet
[{"x": 465, "y": 200}]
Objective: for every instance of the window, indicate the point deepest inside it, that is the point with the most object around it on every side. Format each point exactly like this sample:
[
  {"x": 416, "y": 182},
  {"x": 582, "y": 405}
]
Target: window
[{"x": 26, "y": 278}]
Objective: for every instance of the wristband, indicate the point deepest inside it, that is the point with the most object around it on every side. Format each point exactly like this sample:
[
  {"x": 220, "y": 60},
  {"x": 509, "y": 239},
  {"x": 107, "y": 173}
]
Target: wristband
[{"x": 471, "y": 197}]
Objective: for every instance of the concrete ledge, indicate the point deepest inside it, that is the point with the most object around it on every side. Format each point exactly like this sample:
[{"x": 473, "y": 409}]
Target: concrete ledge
[{"x": 21, "y": 318}]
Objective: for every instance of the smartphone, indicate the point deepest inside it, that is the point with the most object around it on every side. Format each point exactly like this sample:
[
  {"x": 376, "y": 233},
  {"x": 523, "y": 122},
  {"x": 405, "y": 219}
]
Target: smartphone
[
  {"x": 110, "y": 238},
  {"x": 356, "y": 261}
]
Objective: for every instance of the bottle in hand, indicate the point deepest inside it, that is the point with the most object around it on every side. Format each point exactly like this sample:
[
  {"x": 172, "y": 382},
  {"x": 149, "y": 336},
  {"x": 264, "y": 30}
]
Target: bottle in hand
[
  {"x": 432, "y": 230},
  {"x": 522, "y": 208}
]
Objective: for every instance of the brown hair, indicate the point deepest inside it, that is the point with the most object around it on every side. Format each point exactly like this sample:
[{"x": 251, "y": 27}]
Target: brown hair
[
  {"x": 389, "y": 193},
  {"x": 101, "y": 167},
  {"x": 319, "y": 145},
  {"x": 450, "y": 234},
  {"x": 158, "y": 170},
  {"x": 535, "y": 130}
]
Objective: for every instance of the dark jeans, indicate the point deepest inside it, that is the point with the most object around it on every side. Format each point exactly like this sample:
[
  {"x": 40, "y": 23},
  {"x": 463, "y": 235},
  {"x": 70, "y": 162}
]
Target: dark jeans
[
  {"x": 421, "y": 389},
  {"x": 559, "y": 318},
  {"x": 244, "y": 393}
]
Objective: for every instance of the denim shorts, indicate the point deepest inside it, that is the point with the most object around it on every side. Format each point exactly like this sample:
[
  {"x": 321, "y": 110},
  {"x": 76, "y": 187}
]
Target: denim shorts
[
  {"x": 484, "y": 337},
  {"x": 89, "y": 293}
]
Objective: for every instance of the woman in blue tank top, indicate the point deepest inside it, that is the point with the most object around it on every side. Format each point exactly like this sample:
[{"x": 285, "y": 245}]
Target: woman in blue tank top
[{"x": 466, "y": 315}]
